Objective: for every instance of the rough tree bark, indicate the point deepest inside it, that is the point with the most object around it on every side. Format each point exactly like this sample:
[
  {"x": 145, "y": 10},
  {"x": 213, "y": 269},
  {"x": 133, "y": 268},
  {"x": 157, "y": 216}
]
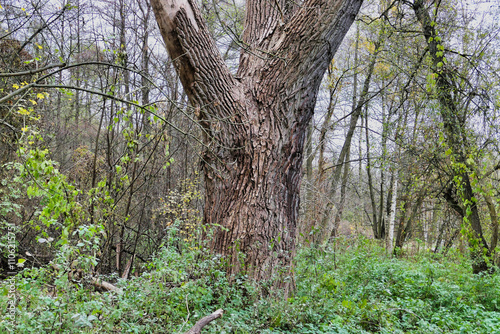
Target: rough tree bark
[{"x": 255, "y": 122}]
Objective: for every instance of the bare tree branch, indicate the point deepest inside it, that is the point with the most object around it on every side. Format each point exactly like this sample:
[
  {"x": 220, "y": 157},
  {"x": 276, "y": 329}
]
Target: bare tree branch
[{"x": 31, "y": 72}]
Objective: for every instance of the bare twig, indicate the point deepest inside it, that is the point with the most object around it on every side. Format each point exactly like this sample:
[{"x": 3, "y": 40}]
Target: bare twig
[{"x": 32, "y": 72}]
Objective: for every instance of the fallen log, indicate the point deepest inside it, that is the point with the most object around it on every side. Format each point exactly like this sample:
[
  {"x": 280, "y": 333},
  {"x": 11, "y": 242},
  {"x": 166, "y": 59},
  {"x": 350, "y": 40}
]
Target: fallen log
[
  {"x": 196, "y": 329},
  {"x": 105, "y": 285}
]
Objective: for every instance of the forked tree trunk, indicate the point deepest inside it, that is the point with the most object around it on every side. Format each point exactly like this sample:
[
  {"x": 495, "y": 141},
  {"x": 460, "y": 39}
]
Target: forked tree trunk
[{"x": 255, "y": 122}]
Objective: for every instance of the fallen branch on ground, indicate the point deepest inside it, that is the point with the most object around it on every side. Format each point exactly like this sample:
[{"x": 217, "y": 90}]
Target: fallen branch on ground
[
  {"x": 78, "y": 275},
  {"x": 196, "y": 329},
  {"x": 105, "y": 285}
]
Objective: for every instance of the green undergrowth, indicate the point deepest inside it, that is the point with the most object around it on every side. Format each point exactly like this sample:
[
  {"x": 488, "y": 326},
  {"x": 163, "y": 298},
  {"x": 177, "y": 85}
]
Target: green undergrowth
[{"x": 354, "y": 289}]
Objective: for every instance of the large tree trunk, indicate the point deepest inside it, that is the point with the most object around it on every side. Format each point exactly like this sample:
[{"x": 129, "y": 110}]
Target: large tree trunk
[{"x": 255, "y": 122}]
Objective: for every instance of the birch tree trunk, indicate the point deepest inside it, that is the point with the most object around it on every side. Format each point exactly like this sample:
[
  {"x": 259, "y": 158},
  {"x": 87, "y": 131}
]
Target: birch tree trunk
[
  {"x": 255, "y": 122},
  {"x": 392, "y": 212}
]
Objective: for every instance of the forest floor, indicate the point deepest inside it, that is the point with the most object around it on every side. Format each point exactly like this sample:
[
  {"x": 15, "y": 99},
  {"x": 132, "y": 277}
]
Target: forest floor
[{"x": 351, "y": 288}]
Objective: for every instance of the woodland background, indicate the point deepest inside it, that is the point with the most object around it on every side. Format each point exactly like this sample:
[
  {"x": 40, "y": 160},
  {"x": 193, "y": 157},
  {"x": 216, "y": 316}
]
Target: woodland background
[{"x": 100, "y": 155}]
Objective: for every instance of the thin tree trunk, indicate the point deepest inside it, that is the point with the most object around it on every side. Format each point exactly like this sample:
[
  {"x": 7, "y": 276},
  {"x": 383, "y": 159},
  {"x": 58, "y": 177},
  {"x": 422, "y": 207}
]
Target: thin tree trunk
[
  {"x": 343, "y": 187},
  {"x": 322, "y": 138},
  {"x": 392, "y": 212},
  {"x": 494, "y": 222},
  {"x": 77, "y": 79},
  {"x": 145, "y": 85},
  {"x": 450, "y": 241},
  {"x": 439, "y": 239},
  {"x": 328, "y": 212},
  {"x": 94, "y": 164},
  {"x": 377, "y": 233},
  {"x": 320, "y": 179},
  {"x": 386, "y": 116},
  {"x": 454, "y": 136},
  {"x": 405, "y": 229},
  {"x": 343, "y": 190}
]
